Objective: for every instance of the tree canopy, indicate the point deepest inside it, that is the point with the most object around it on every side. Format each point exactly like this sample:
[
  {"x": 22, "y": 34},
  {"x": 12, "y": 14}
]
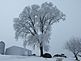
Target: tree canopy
[{"x": 34, "y": 23}]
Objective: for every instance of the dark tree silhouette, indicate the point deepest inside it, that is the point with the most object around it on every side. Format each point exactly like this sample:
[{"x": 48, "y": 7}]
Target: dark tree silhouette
[{"x": 74, "y": 45}]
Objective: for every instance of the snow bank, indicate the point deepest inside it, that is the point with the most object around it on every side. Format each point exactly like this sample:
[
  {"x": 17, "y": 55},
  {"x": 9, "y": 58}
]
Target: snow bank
[{"x": 29, "y": 58}]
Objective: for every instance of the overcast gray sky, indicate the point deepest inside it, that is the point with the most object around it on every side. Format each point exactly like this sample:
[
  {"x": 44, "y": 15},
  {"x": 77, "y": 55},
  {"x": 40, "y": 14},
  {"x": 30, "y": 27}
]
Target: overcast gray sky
[{"x": 61, "y": 32}]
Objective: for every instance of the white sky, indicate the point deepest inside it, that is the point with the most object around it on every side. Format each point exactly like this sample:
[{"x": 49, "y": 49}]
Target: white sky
[{"x": 61, "y": 32}]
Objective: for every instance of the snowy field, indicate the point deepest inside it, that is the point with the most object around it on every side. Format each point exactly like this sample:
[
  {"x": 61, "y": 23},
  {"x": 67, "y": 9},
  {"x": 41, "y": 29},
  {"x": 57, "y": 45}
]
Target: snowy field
[{"x": 29, "y": 58}]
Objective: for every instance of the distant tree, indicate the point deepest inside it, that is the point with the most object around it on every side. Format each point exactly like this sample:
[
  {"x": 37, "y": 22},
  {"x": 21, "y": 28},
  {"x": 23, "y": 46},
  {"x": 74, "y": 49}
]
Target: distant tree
[
  {"x": 74, "y": 45},
  {"x": 34, "y": 24}
]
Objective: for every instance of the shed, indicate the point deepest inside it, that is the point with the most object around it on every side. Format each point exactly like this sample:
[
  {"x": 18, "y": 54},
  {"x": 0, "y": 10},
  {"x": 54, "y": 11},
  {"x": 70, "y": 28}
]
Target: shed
[{"x": 15, "y": 50}]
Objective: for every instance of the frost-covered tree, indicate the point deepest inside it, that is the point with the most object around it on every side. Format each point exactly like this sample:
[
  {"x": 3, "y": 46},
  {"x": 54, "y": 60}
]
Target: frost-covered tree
[
  {"x": 74, "y": 45},
  {"x": 34, "y": 24}
]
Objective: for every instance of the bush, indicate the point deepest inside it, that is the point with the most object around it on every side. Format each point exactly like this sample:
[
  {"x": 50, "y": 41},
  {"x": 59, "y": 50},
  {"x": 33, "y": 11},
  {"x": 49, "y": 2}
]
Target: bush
[
  {"x": 58, "y": 55},
  {"x": 33, "y": 54},
  {"x": 47, "y": 55}
]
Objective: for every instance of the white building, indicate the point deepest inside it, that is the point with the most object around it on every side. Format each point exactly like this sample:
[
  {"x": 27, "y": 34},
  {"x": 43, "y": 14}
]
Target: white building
[{"x": 15, "y": 50}]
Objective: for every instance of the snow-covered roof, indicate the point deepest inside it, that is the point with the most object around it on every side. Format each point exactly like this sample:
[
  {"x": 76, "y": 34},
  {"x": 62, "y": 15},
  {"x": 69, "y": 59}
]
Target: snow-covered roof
[{"x": 17, "y": 47}]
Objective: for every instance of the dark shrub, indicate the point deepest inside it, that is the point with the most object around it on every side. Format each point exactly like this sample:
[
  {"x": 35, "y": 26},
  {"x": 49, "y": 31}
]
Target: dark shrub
[
  {"x": 58, "y": 55},
  {"x": 47, "y": 55},
  {"x": 62, "y": 54},
  {"x": 34, "y": 54}
]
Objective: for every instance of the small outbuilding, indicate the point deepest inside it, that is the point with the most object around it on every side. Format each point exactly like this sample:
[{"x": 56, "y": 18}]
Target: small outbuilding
[{"x": 15, "y": 50}]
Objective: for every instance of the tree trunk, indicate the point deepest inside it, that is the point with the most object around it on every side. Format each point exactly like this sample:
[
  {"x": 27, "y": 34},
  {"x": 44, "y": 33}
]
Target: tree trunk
[
  {"x": 41, "y": 50},
  {"x": 76, "y": 57}
]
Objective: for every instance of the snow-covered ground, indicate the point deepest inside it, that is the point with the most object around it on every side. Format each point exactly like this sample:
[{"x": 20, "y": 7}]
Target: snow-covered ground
[{"x": 29, "y": 58}]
